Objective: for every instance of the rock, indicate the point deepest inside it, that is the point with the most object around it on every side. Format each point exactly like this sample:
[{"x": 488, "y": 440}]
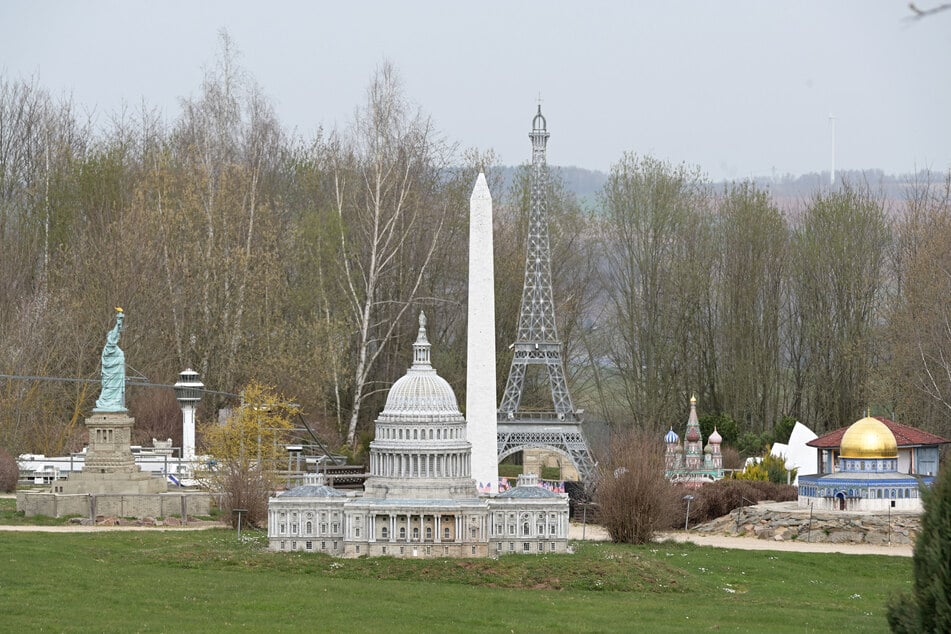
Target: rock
[{"x": 845, "y": 537}]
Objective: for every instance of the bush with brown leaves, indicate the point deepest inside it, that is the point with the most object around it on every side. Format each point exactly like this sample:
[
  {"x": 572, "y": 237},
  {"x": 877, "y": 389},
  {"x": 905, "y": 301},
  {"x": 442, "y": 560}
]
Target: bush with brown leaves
[
  {"x": 635, "y": 499},
  {"x": 9, "y": 472},
  {"x": 719, "y": 498}
]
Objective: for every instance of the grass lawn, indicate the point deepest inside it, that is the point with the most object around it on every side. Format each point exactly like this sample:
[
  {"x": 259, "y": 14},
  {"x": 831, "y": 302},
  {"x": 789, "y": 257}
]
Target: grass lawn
[{"x": 204, "y": 581}]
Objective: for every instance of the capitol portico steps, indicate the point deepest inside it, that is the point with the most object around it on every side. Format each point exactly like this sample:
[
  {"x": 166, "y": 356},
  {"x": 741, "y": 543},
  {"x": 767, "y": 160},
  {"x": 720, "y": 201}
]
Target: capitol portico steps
[{"x": 784, "y": 521}]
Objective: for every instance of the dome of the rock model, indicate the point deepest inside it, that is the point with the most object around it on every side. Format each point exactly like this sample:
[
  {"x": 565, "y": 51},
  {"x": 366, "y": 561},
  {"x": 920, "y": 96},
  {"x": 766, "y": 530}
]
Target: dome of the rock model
[{"x": 868, "y": 438}]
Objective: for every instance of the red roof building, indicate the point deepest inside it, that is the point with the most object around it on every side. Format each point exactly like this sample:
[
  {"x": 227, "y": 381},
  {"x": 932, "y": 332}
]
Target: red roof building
[{"x": 917, "y": 449}]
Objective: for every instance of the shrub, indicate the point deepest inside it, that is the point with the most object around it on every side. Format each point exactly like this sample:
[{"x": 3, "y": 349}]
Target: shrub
[
  {"x": 9, "y": 472},
  {"x": 928, "y": 608},
  {"x": 723, "y": 423},
  {"x": 510, "y": 470},
  {"x": 723, "y": 496},
  {"x": 770, "y": 468},
  {"x": 731, "y": 458},
  {"x": 750, "y": 444},
  {"x": 783, "y": 429},
  {"x": 634, "y": 497},
  {"x": 248, "y": 488},
  {"x": 248, "y": 450}
]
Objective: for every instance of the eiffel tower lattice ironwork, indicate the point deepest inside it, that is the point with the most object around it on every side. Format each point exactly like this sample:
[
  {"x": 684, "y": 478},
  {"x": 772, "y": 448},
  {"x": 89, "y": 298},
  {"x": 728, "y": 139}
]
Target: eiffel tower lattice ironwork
[{"x": 537, "y": 342}]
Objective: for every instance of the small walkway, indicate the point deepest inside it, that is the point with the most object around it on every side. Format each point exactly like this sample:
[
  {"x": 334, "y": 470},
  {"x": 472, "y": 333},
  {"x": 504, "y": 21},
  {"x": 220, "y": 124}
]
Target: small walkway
[{"x": 78, "y": 528}]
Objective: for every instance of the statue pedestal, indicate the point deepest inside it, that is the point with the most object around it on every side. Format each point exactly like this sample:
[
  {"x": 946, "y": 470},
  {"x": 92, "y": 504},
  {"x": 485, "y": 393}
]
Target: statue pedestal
[{"x": 110, "y": 466}]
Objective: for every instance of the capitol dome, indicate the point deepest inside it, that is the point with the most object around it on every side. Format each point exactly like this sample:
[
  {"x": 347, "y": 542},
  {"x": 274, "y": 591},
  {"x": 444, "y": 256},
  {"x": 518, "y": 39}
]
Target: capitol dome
[
  {"x": 421, "y": 394},
  {"x": 868, "y": 438}
]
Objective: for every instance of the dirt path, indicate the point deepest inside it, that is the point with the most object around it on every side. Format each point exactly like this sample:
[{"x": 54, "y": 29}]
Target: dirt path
[
  {"x": 77, "y": 528},
  {"x": 590, "y": 532}
]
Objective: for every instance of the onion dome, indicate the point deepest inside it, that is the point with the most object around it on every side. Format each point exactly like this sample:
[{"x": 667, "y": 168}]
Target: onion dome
[
  {"x": 715, "y": 437},
  {"x": 693, "y": 425},
  {"x": 671, "y": 437},
  {"x": 868, "y": 438},
  {"x": 421, "y": 394},
  {"x": 708, "y": 448},
  {"x": 538, "y": 123}
]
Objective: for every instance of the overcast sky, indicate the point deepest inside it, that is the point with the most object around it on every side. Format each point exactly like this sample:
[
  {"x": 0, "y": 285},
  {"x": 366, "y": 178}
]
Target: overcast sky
[{"x": 738, "y": 88}]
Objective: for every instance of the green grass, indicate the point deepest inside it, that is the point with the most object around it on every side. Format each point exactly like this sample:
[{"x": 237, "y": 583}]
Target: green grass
[
  {"x": 510, "y": 470},
  {"x": 203, "y": 581}
]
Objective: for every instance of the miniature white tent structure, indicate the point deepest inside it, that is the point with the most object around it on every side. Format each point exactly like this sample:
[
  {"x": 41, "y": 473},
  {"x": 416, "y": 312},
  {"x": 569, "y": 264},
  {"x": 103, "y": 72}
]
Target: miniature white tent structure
[{"x": 798, "y": 455}]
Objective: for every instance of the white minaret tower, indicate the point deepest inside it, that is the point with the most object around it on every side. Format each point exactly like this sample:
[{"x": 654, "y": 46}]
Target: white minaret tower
[
  {"x": 481, "y": 408},
  {"x": 188, "y": 391}
]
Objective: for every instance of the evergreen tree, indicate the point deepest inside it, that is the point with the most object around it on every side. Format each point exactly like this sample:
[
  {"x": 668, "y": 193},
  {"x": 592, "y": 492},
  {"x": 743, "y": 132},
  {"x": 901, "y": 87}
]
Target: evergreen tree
[{"x": 928, "y": 608}]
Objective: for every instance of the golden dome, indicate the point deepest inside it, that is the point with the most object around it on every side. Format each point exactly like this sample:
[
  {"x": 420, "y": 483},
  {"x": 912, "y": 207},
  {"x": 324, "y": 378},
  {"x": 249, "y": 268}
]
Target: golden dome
[{"x": 868, "y": 438}]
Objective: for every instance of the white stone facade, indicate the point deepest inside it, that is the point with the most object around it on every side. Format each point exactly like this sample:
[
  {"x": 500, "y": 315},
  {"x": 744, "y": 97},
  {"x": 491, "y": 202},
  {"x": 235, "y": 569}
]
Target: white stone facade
[
  {"x": 420, "y": 499},
  {"x": 481, "y": 407}
]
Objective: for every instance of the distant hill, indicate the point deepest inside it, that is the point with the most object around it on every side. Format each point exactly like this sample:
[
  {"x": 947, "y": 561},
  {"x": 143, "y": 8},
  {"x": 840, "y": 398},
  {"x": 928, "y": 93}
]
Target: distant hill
[
  {"x": 584, "y": 183},
  {"x": 791, "y": 193}
]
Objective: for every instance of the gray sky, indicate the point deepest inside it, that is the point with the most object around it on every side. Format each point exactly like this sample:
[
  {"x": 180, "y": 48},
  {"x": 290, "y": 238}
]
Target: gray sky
[{"x": 738, "y": 88}]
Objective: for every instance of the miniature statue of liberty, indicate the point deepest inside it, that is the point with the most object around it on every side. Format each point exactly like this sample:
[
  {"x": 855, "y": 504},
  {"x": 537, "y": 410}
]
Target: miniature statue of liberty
[{"x": 112, "y": 396}]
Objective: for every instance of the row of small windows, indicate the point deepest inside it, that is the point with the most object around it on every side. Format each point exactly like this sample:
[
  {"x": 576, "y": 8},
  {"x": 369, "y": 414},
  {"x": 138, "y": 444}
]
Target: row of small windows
[
  {"x": 434, "y": 433},
  {"x": 385, "y": 533},
  {"x": 309, "y": 514},
  {"x": 308, "y": 545},
  {"x": 521, "y": 524},
  {"x": 868, "y": 465},
  {"x": 526, "y": 529},
  {"x": 308, "y": 528},
  {"x": 870, "y": 493},
  {"x": 526, "y": 547}
]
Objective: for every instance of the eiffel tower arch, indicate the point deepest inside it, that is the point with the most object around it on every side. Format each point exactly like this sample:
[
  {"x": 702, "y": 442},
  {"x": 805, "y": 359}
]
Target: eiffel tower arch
[{"x": 537, "y": 343}]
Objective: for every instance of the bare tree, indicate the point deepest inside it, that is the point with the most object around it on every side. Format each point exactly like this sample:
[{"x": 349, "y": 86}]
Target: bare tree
[
  {"x": 386, "y": 176},
  {"x": 634, "y": 497},
  {"x": 753, "y": 237},
  {"x": 657, "y": 276},
  {"x": 917, "y": 377},
  {"x": 838, "y": 282}
]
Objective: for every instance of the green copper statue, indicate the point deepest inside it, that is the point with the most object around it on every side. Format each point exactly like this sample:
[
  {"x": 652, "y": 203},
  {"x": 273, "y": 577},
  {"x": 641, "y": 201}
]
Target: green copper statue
[{"x": 112, "y": 396}]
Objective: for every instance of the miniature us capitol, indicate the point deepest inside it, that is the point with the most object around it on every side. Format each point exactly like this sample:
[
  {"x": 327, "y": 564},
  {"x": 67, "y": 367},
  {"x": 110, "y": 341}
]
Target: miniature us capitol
[
  {"x": 420, "y": 499},
  {"x": 867, "y": 478},
  {"x": 110, "y": 483}
]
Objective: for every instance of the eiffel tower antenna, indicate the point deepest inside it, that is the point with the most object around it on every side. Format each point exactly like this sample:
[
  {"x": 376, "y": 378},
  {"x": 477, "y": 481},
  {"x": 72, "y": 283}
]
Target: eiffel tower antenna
[{"x": 537, "y": 342}]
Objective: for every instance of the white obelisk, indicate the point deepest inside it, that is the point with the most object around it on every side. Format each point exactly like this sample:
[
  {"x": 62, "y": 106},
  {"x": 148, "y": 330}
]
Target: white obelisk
[{"x": 481, "y": 407}]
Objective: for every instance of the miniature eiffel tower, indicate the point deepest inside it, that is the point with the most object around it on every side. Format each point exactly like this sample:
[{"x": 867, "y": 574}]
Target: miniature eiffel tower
[{"x": 537, "y": 342}]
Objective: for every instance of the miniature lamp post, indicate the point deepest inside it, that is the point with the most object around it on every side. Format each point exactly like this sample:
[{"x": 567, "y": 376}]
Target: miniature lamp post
[
  {"x": 188, "y": 391},
  {"x": 687, "y": 518}
]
